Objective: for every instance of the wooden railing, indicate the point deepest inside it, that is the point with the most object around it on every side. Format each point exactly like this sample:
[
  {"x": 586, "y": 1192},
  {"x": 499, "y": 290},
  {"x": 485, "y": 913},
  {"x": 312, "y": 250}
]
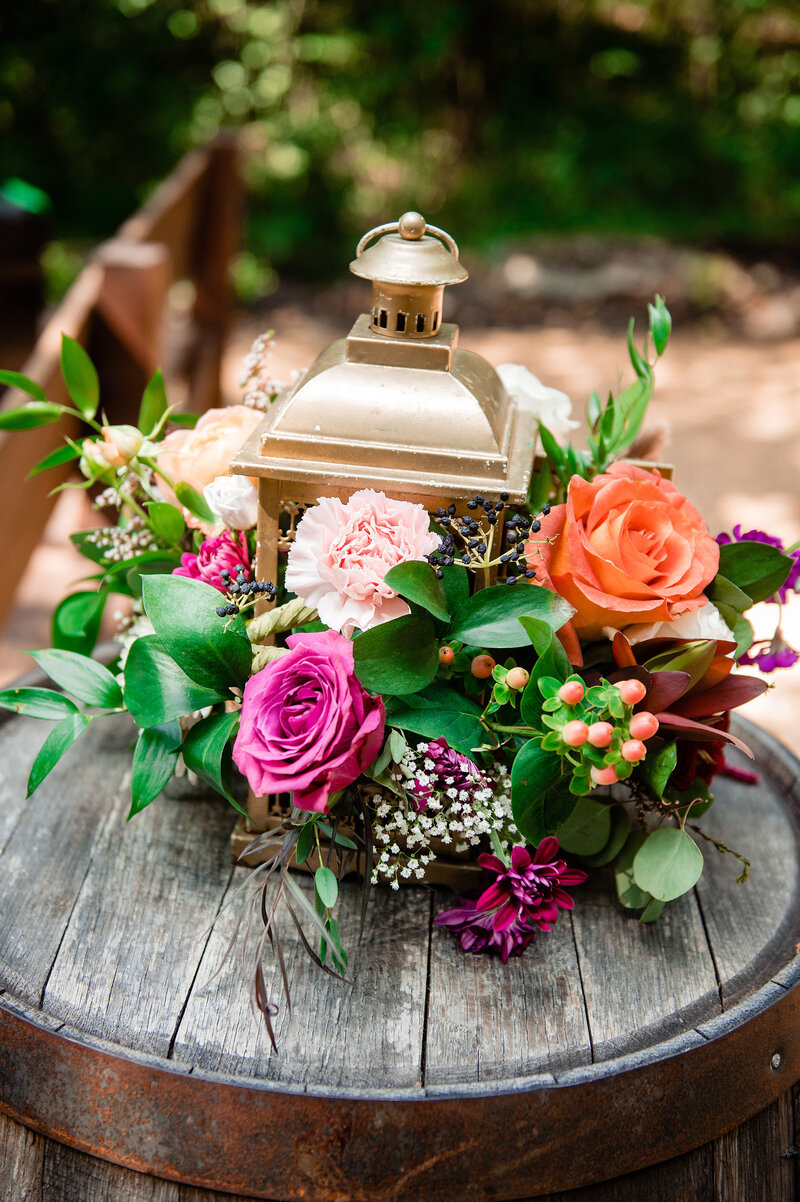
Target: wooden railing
[{"x": 188, "y": 230}]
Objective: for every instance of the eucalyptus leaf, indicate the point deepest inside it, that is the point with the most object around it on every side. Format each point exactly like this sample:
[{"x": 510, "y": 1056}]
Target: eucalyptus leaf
[
  {"x": 620, "y": 829},
  {"x": 326, "y": 886},
  {"x": 628, "y": 892},
  {"x": 588, "y": 828},
  {"x": 668, "y": 864}
]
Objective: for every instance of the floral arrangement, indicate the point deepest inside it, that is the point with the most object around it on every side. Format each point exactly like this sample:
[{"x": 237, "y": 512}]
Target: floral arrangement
[{"x": 517, "y": 685}]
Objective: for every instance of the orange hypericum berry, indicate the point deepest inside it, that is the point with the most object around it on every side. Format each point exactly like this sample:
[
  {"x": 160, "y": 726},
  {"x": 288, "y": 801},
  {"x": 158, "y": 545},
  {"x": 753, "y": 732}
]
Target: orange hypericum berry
[
  {"x": 517, "y": 678},
  {"x": 633, "y": 750},
  {"x": 604, "y": 776},
  {"x": 571, "y": 692},
  {"x": 575, "y": 733},
  {"x": 446, "y": 655},
  {"x": 601, "y": 734},
  {"x": 482, "y": 667},
  {"x": 632, "y": 691},
  {"x": 643, "y": 725}
]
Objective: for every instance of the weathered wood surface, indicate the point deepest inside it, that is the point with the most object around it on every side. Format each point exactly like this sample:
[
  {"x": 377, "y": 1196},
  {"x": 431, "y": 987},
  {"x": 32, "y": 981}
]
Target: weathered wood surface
[{"x": 105, "y": 926}]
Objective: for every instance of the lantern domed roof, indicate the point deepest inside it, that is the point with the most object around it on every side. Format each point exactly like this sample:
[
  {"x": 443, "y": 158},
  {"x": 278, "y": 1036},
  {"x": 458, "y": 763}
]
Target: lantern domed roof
[{"x": 409, "y": 252}]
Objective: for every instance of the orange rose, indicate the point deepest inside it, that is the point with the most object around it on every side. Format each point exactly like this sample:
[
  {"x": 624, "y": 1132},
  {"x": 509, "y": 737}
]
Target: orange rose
[
  {"x": 198, "y": 456},
  {"x": 628, "y": 547}
]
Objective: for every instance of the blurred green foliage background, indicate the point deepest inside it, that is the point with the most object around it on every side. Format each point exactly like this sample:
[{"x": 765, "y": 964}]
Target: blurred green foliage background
[{"x": 496, "y": 118}]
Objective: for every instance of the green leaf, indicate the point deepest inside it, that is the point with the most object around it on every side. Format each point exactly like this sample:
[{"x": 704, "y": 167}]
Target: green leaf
[
  {"x": 80, "y": 376},
  {"x": 305, "y": 841},
  {"x": 652, "y": 911},
  {"x": 724, "y": 592},
  {"x": 154, "y": 760},
  {"x": 418, "y": 582},
  {"x": 756, "y": 568},
  {"x": 540, "y": 488},
  {"x": 620, "y": 829},
  {"x": 58, "y": 742},
  {"x": 668, "y": 864},
  {"x": 15, "y": 379},
  {"x": 183, "y": 613},
  {"x": 37, "y": 703},
  {"x": 192, "y": 500},
  {"x": 28, "y": 417},
  {"x": 438, "y": 712},
  {"x": 166, "y": 521},
  {"x": 56, "y": 458},
  {"x": 552, "y": 664},
  {"x": 326, "y": 886},
  {"x": 540, "y": 801},
  {"x": 156, "y": 689},
  {"x": 639, "y": 365},
  {"x": 207, "y": 752},
  {"x": 694, "y": 657},
  {"x": 744, "y": 634},
  {"x": 154, "y": 405},
  {"x": 657, "y": 768},
  {"x": 154, "y": 563},
  {"x": 456, "y": 587},
  {"x": 340, "y": 840},
  {"x": 490, "y": 618},
  {"x": 551, "y": 448},
  {"x": 83, "y": 677},
  {"x": 397, "y": 657},
  {"x": 588, "y": 828},
  {"x": 660, "y": 325},
  {"x": 628, "y": 892},
  {"x": 186, "y": 420},
  {"x": 76, "y": 622}
]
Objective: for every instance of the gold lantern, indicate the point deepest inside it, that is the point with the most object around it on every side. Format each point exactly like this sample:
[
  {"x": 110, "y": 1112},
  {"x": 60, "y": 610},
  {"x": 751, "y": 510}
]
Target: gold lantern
[{"x": 395, "y": 406}]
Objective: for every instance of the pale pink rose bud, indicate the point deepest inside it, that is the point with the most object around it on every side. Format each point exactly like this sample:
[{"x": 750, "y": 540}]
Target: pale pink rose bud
[
  {"x": 234, "y": 500},
  {"x": 122, "y": 443}
]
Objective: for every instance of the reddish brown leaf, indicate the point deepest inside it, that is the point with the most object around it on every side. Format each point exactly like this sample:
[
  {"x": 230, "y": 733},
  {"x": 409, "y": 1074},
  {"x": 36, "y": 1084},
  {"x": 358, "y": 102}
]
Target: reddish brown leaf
[
  {"x": 732, "y": 692},
  {"x": 665, "y": 689},
  {"x": 686, "y": 728}
]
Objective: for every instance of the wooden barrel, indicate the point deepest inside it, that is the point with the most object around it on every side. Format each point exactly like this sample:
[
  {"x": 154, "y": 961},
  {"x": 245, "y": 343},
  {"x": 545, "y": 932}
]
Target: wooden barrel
[{"x": 610, "y": 1046}]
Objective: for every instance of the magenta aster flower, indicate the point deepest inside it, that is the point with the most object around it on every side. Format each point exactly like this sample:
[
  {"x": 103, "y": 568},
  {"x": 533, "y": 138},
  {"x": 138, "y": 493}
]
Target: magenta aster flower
[
  {"x": 524, "y": 897},
  {"x": 792, "y": 580},
  {"x": 215, "y": 554}
]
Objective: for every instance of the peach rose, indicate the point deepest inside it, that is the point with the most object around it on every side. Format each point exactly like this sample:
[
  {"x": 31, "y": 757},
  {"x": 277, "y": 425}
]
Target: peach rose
[
  {"x": 198, "y": 456},
  {"x": 628, "y": 547}
]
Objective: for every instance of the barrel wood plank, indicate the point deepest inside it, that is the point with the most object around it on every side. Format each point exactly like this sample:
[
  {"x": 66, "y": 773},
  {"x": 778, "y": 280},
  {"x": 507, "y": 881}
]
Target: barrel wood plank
[{"x": 116, "y": 987}]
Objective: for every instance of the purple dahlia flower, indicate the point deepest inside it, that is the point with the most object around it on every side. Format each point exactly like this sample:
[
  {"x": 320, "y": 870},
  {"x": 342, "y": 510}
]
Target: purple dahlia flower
[{"x": 525, "y": 896}]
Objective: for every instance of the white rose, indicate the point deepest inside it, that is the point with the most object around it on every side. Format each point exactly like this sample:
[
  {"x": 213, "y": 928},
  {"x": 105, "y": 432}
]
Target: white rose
[
  {"x": 553, "y": 408},
  {"x": 704, "y": 623},
  {"x": 234, "y": 500}
]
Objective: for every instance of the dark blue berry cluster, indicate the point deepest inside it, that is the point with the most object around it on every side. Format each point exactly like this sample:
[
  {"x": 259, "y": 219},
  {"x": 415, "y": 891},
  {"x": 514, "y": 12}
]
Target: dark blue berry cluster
[
  {"x": 468, "y": 541},
  {"x": 243, "y": 588}
]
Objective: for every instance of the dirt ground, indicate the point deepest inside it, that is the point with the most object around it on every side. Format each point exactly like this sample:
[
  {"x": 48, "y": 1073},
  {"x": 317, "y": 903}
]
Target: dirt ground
[{"x": 732, "y": 405}]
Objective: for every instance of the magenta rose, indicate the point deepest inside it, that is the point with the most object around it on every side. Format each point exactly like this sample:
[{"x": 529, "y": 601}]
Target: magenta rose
[
  {"x": 308, "y": 727},
  {"x": 225, "y": 551}
]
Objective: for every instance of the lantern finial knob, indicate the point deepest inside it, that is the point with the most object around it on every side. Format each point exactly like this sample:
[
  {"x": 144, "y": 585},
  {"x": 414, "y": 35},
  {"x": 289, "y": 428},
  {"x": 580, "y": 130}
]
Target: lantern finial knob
[{"x": 411, "y": 226}]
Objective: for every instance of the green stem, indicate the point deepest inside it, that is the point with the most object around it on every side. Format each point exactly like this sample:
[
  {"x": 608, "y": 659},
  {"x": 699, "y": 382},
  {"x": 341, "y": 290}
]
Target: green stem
[{"x": 511, "y": 730}]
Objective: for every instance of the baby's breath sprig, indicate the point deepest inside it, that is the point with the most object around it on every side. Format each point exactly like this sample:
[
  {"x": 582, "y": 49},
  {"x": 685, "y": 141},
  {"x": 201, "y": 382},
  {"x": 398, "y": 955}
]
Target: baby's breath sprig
[{"x": 471, "y": 540}]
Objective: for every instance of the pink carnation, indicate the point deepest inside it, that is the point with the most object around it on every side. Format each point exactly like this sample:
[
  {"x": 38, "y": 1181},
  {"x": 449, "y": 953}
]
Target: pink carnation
[
  {"x": 342, "y": 552},
  {"x": 224, "y": 551},
  {"x": 308, "y": 727}
]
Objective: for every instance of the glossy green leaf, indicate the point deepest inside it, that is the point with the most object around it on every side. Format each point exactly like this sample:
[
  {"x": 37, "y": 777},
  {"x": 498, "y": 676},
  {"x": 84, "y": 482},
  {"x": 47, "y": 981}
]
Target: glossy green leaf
[
  {"x": 57, "y": 743},
  {"x": 540, "y": 800},
  {"x": 76, "y": 622},
  {"x": 456, "y": 587},
  {"x": 418, "y": 582},
  {"x": 397, "y": 657},
  {"x": 490, "y": 618},
  {"x": 756, "y": 568},
  {"x": 694, "y": 658},
  {"x": 184, "y": 617},
  {"x": 154, "y": 405},
  {"x": 668, "y": 864},
  {"x": 438, "y": 712},
  {"x": 37, "y": 703},
  {"x": 588, "y": 828},
  {"x": 195, "y": 502},
  {"x": 15, "y": 379},
  {"x": 56, "y": 458},
  {"x": 326, "y": 886},
  {"x": 154, "y": 760},
  {"x": 166, "y": 521},
  {"x": 83, "y": 677},
  {"x": 660, "y": 324},
  {"x": 305, "y": 841},
  {"x": 657, "y": 768},
  {"x": 30, "y": 416},
  {"x": 157, "y": 690},
  {"x": 207, "y": 752},
  {"x": 80, "y": 376}
]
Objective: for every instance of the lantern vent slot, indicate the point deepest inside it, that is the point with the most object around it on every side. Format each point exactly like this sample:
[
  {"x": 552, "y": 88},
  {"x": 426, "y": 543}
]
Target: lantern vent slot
[
  {"x": 383, "y": 318},
  {"x": 420, "y": 322},
  {"x": 401, "y": 322}
]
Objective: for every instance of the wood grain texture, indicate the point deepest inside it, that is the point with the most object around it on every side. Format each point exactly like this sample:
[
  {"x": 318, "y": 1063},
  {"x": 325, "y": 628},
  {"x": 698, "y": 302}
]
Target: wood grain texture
[
  {"x": 364, "y": 1034},
  {"x": 69, "y": 1175},
  {"x": 643, "y": 982},
  {"x": 47, "y": 856},
  {"x": 21, "y": 1161},
  {"x": 137, "y": 932},
  {"x": 742, "y": 920},
  {"x": 489, "y": 1020},
  {"x": 755, "y": 1163},
  {"x": 687, "y": 1178},
  {"x": 19, "y": 743}
]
